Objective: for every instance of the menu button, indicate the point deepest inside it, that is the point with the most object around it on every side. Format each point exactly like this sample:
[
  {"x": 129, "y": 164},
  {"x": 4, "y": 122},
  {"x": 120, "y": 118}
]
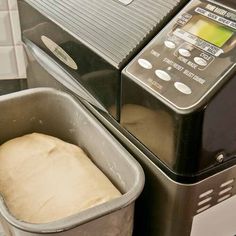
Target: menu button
[
  {"x": 184, "y": 52},
  {"x": 183, "y": 88},
  {"x": 161, "y": 74},
  {"x": 169, "y": 44},
  {"x": 200, "y": 61},
  {"x": 145, "y": 63}
]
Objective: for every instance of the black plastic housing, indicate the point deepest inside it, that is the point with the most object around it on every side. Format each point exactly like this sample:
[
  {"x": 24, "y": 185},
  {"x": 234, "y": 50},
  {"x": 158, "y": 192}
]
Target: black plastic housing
[{"x": 187, "y": 143}]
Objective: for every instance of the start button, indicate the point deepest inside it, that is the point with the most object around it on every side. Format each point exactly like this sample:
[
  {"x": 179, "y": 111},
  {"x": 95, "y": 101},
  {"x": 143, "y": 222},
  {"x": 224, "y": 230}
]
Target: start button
[{"x": 183, "y": 88}]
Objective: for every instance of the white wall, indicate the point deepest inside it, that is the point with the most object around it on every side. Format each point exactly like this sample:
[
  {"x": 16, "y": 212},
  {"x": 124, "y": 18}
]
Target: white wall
[{"x": 12, "y": 64}]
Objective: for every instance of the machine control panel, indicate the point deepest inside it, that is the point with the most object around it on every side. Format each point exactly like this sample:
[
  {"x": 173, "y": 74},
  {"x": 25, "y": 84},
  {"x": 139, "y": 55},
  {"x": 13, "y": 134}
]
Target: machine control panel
[{"x": 190, "y": 56}]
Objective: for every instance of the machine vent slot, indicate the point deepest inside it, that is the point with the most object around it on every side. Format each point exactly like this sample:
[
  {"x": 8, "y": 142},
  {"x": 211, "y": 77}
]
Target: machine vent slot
[
  {"x": 211, "y": 197},
  {"x": 205, "y": 200},
  {"x": 206, "y": 194},
  {"x": 203, "y": 208},
  {"x": 225, "y": 184},
  {"x": 225, "y": 190},
  {"x": 224, "y": 198}
]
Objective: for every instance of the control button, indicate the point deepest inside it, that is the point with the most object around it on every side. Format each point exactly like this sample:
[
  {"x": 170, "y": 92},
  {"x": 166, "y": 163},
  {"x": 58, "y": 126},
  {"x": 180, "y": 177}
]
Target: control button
[
  {"x": 169, "y": 44},
  {"x": 184, "y": 52},
  {"x": 145, "y": 63},
  {"x": 183, "y": 88},
  {"x": 200, "y": 61},
  {"x": 161, "y": 74}
]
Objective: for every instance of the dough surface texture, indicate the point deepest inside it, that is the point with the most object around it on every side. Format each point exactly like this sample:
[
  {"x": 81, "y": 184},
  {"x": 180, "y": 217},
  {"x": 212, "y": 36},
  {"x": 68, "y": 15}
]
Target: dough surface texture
[{"x": 43, "y": 179}]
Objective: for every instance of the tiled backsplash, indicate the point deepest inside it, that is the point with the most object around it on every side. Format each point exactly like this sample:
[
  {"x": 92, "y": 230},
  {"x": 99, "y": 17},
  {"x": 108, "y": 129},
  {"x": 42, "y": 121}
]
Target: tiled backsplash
[{"x": 12, "y": 61}]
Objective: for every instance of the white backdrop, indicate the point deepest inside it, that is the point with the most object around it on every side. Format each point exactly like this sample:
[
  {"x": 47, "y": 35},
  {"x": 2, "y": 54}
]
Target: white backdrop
[{"x": 12, "y": 63}]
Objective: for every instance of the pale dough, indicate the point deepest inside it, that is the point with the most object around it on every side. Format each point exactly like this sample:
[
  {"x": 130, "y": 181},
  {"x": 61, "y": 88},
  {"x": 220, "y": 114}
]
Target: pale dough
[{"x": 43, "y": 179}]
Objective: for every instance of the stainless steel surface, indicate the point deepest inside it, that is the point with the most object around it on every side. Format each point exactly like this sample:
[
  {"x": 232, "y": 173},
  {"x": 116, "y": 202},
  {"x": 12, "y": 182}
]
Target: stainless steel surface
[
  {"x": 1, "y": 231},
  {"x": 169, "y": 206},
  {"x": 58, "y": 114},
  {"x": 60, "y": 74},
  {"x": 165, "y": 208}
]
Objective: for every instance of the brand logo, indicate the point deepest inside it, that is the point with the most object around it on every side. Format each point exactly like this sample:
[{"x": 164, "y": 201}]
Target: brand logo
[{"x": 60, "y": 53}]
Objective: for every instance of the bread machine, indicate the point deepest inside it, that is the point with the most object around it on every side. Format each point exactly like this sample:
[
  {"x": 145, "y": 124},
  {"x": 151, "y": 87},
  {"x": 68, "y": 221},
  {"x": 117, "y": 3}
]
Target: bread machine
[
  {"x": 92, "y": 40},
  {"x": 172, "y": 106},
  {"x": 185, "y": 114}
]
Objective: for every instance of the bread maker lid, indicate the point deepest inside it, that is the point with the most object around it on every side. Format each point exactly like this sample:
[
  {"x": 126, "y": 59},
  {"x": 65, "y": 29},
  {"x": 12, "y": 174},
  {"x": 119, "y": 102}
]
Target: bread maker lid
[{"x": 113, "y": 29}]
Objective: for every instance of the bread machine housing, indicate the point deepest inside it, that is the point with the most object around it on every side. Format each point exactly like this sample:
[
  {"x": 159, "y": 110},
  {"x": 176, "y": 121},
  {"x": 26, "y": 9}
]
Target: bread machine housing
[
  {"x": 92, "y": 40},
  {"x": 172, "y": 101},
  {"x": 184, "y": 116},
  {"x": 185, "y": 77}
]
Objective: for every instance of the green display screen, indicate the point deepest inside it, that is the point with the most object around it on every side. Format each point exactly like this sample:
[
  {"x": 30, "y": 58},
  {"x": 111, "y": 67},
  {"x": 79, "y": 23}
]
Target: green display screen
[{"x": 210, "y": 31}]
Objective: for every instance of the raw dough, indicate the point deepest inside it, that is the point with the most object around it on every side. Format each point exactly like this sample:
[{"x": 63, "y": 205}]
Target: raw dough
[{"x": 43, "y": 179}]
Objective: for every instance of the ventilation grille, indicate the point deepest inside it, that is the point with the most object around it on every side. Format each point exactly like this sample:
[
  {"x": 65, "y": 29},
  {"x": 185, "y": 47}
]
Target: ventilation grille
[
  {"x": 111, "y": 28},
  {"x": 212, "y": 197}
]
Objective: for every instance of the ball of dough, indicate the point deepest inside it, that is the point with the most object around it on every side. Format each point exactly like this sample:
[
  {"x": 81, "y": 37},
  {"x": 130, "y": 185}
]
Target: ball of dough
[{"x": 43, "y": 179}]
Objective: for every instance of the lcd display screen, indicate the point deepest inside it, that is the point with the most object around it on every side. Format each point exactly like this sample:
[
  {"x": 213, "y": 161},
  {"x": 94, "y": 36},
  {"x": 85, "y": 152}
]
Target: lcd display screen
[{"x": 209, "y": 31}]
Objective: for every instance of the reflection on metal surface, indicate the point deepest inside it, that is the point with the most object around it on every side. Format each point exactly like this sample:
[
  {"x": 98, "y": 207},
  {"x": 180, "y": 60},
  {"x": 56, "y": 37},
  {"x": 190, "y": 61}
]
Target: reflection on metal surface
[
  {"x": 149, "y": 127},
  {"x": 60, "y": 53},
  {"x": 125, "y": 2}
]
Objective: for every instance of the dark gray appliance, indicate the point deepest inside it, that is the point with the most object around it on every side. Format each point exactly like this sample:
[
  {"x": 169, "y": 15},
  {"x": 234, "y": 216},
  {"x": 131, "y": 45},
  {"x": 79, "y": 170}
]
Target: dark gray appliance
[
  {"x": 185, "y": 113},
  {"x": 184, "y": 76},
  {"x": 173, "y": 106},
  {"x": 94, "y": 40}
]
